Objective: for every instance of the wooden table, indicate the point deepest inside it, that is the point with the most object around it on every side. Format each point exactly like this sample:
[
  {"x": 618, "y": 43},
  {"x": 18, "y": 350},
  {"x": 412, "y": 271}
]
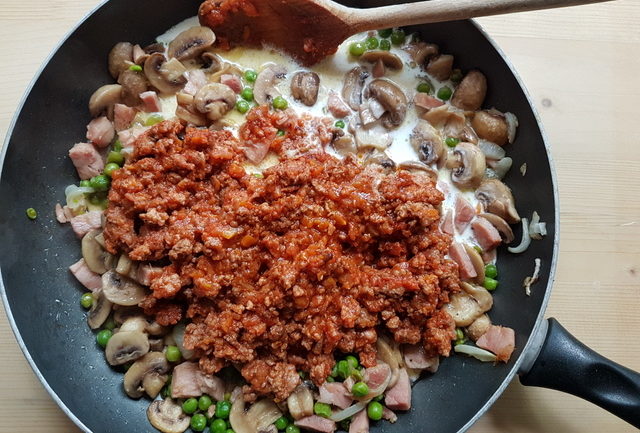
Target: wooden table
[{"x": 581, "y": 66}]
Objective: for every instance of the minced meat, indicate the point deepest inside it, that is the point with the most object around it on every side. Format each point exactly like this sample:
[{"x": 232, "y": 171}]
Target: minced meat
[{"x": 275, "y": 273}]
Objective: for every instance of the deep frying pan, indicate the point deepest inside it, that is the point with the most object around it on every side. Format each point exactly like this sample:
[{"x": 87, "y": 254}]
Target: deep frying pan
[{"x": 41, "y": 296}]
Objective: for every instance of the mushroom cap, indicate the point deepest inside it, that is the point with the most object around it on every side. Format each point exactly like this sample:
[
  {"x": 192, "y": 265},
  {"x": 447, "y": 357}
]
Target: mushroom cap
[
  {"x": 491, "y": 125},
  {"x": 100, "y": 310},
  {"x": 126, "y": 346},
  {"x": 93, "y": 254},
  {"x": 470, "y": 93},
  {"x": 103, "y": 100},
  {"x": 264, "y": 89},
  {"x": 305, "y": 87},
  {"x": 165, "y": 75},
  {"x": 427, "y": 142},
  {"x": 440, "y": 66},
  {"x": 167, "y": 416},
  {"x": 389, "y": 59},
  {"x": 120, "y": 57},
  {"x": 214, "y": 100},
  {"x": 498, "y": 200},
  {"x": 122, "y": 290},
  {"x": 191, "y": 43},
  {"x": 392, "y": 99},
  {"x": 152, "y": 362},
  {"x": 352, "y": 87},
  {"x": 468, "y": 166},
  {"x": 133, "y": 84}
]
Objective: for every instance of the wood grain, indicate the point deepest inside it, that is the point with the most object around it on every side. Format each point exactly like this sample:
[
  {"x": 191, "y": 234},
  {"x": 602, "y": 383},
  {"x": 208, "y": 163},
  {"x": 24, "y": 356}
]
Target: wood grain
[{"x": 580, "y": 65}]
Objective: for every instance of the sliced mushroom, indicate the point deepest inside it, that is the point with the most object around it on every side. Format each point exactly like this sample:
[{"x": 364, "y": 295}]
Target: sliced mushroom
[
  {"x": 305, "y": 87},
  {"x": 300, "y": 402},
  {"x": 441, "y": 66},
  {"x": 388, "y": 352},
  {"x": 263, "y": 414},
  {"x": 389, "y": 59},
  {"x": 427, "y": 142},
  {"x": 122, "y": 290},
  {"x": 353, "y": 85},
  {"x": 479, "y": 327},
  {"x": 491, "y": 125},
  {"x": 187, "y": 111},
  {"x": 135, "y": 323},
  {"x": 214, "y": 100},
  {"x": 168, "y": 417},
  {"x": 239, "y": 421},
  {"x": 463, "y": 309},
  {"x": 498, "y": 200},
  {"x": 478, "y": 263},
  {"x": 392, "y": 99},
  {"x": 501, "y": 225},
  {"x": 480, "y": 294},
  {"x": 166, "y": 76},
  {"x": 93, "y": 254},
  {"x": 100, "y": 310},
  {"x": 211, "y": 62},
  {"x": 153, "y": 383},
  {"x": 154, "y": 328},
  {"x": 367, "y": 138},
  {"x": 191, "y": 43},
  {"x": 153, "y": 363},
  {"x": 124, "y": 264},
  {"x": 120, "y": 57},
  {"x": 419, "y": 167},
  {"x": 133, "y": 84},
  {"x": 470, "y": 93},
  {"x": 264, "y": 89},
  {"x": 120, "y": 314},
  {"x": 103, "y": 100},
  {"x": 126, "y": 346},
  {"x": 379, "y": 158},
  {"x": 468, "y": 165},
  {"x": 156, "y": 344},
  {"x": 345, "y": 145},
  {"x": 421, "y": 52}
]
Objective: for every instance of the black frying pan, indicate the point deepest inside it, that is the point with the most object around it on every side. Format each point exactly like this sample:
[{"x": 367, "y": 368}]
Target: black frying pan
[{"x": 41, "y": 297}]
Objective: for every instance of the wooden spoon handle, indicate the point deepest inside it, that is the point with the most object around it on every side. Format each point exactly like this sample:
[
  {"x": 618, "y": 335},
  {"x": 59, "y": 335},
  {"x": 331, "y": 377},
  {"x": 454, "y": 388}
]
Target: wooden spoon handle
[{"x": 446, "y": 10}]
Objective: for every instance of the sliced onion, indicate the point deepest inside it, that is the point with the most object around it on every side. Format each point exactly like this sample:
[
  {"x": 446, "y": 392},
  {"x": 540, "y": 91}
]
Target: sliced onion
[
  {"x": 178, "y": 336},
  {"x": 526, "y": 239},
  {"x": 75, "y": 196},
  {"x": 537, "y": 229},
  {"x": 512, "y": 124},
  {"x": 476, "y": 352},
  {"x": 502, "y": 166},
  {"x": 491, "y": 150},
  {"x": 529, "y": 281},
  {"x": 350, "y": 411}
]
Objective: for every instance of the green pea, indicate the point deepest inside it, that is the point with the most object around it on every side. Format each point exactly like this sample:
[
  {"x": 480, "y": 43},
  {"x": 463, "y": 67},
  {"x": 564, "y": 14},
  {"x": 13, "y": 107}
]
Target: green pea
[
  {"x": 292, "y": 429},
  {"x": 84, "y": 183},
  {"x": 339, "y": 124},
  {"x": 343, "y": 369},
  {"x": 242, "y": 106},
  {"x": 281, "y": 423},
  {"x": 173, "y": 354},
  {"x": 385, "y": 45},
  {"x": 352, "y": 361},
  {"x": 322, "y": 409},
  {"x": 204, "y": 402},
  {"x": 424, "y": 87},
  {"x": 223, "y": 408},
  {"x": 153, "y": 119},
  {"x": 456, "y": 76},
  {"x": 378, "y": 397},
  {"x": 374, "y": 411},
  {"x": 334, "y": 370},
  {"x": 100, "y": 182},
  {"x": 31, "y": 213},
  {"x": 190, "y": 405},
  {"x": 451, "y": 141},
  {"x": 102, "y": 337},
  {"x": 218, "y": 426},
  {"x": 198, "y": 422},
  {"x": 110, "y": 168},
  {"x": 86, "y": 300},
  {"x": 490, "y": 284},
  {"x": 330, "y": 379},
  {"x": 357, "y": 49},
  {"x": 459, "y": 334},
  {"x": 281, "y": 133},
  {"x": 110, "y": 324},
  {"x": 117, "y": 146},
  {"x": 371, "y": 43},
  {"x": 444, "y": 93},
  {"x": 250, "y": 75},
  {"x": 135, "y": 68},
  {"x": 229, "y": 431},
  {"x": 359, "y": 389},
  {"x": 385, "y": 33},
  {"x": 279, "y": 103},
  {"x": 491, "y": 271},
  {"x": 398, "y": 37},
  {"x": 115, "y": 157},
  {"x": 247, "y": 94}
]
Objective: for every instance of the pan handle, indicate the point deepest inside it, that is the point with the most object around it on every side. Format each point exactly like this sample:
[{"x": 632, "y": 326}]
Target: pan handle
[{"x": 565, "y": 364}]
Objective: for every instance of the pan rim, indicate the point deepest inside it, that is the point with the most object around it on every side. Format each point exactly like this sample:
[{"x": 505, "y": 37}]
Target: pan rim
[{"x": 552, "y": 269}]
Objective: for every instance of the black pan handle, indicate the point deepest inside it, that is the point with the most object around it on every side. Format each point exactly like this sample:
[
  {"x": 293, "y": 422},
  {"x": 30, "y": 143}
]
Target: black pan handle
[{"x": 565, "y": 364}]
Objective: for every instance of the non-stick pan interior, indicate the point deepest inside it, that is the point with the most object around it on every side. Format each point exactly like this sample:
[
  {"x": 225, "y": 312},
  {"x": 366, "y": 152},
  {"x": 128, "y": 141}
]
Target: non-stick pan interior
[{"x": 43, "y": 296}]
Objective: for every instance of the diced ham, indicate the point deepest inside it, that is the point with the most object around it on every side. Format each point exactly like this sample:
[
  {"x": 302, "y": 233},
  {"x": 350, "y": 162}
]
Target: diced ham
[
  {"x": 317, "y": 424},
  {"x": 465, "y": 266},
  {"x": 337, "y": 107},
  {"x": 196, "y": 79},
  {"x": 446, "y": 223},
  {"x": 63, "y": 213},
  {"x": 146, "y": 273},
  {"x": 415, "y": 357},
  {"x": 188, "y": 381},
  {"x": 151, "y": 102},
  {"x": 232, "y": 81},
  {"x": 427, "y": 102},
  {"x": 128, "y": 136},
  {"x": 100, "y": 131},
  {"x": 486, "y": 234},
  {"x": 336, "y": 394},
  {"x": 377, "y": 376},
  {"x": 499, "y": 340},
  {"x": 256, "y": 152},
  {"x": 123, "y": 116},
  {"x": 398, "y": 397},
  {"x": 464, "y": 214},
  {"x": 389, "y": 415},
  {"x": 86, "y": 159},
  {"x": 489, "y": 256},
  {"x": 359, "y": 422},
  {"x": 86, "y": 276},
  {"x": 83, "y": 224}
]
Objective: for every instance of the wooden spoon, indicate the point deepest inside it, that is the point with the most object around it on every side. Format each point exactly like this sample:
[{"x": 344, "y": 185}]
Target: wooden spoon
[{"x": 310, "y": 30}]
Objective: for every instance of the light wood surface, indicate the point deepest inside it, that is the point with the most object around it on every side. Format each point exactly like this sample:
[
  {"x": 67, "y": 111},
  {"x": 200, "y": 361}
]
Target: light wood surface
[{"x": 581, "y": 66}]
